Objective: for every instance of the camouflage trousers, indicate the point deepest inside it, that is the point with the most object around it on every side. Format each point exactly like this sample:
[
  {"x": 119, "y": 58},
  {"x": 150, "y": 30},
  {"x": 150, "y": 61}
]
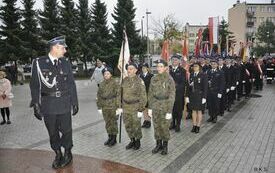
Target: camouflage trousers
[
  {"x": 110, "y": 119},
  {"x": 161, "y": 125},
  {"x": 132, "y": 125}
]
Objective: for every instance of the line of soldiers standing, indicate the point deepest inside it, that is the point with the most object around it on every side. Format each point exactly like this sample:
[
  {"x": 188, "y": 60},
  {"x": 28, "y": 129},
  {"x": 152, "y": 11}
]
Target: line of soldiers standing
[{"x": 214, "y": 85}]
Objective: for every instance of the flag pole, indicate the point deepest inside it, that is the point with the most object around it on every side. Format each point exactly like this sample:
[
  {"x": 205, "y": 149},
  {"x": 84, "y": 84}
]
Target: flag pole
[{"x": 121, "y": 81}]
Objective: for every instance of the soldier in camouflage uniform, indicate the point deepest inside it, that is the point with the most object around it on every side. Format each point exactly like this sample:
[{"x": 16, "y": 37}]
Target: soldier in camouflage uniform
[
  {"x": 108, "y": 101},
  {"x": 134, "y": 99},
  {"x": 161, "y": 97}
]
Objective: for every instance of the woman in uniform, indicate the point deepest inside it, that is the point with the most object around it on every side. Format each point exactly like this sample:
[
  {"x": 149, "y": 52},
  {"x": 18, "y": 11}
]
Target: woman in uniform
[{"x": 196, "y": 95}]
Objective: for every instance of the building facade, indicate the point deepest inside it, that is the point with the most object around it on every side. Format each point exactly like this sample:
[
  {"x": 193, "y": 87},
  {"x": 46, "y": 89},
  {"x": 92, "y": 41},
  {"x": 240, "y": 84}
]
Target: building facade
[{"x": 245, "y": 18}]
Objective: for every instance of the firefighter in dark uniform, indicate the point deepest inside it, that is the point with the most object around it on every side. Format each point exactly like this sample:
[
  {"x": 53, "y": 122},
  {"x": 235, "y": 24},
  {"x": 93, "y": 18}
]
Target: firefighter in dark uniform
[
  {"x": 224, "y": 96},
  {"x": 216, "y": 84},
  {"x": 196, "y": 95},
  {"x": 53, "y": 93},
  {"x": 178, "y": 73},
  {"x": 229, "y": 83}
]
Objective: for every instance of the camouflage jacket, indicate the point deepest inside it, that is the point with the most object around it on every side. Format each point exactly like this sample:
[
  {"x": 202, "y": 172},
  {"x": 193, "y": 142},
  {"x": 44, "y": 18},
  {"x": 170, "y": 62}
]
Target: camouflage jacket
[
  {"x": 108, "y": 95},
  {"x": 134, "y": 94},
  {"x": 161, "y": 95}
]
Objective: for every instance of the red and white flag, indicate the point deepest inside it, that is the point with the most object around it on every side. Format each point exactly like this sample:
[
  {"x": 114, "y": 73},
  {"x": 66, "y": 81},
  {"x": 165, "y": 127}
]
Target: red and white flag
[
  {"x": 124, "y": 56},
  {"x": 213, "y": 26}
]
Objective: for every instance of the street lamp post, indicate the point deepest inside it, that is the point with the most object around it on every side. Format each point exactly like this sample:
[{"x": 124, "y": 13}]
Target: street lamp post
[
  {"x": 268, "y": 42},
  {"x": 147, "y": 13},
  {"x": 142, "y": 27}
]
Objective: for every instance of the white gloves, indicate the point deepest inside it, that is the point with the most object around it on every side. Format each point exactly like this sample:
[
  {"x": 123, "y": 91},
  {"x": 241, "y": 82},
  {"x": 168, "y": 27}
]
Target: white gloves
[
  {"x": 187, "y": 100},
  {"x": 168, "y": 116},
  {"x": 227, "y": 90},
  {"x": 150, "y": 113},
  {"x": 203, "y": 100},
  {"x": 139, "y": 114},
  {"x": 219, "y": 95},
  {"x": 100, "y": 111},
  {"x": 243, "y": 81},
  {"x": 253, "y": 79},
  {"x": 237, "y": 83},
  {"x": 119, "y": 111},
  {"x": 232, "y": 88}
]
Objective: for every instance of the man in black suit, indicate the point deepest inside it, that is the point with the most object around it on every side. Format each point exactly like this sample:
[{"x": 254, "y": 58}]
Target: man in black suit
[
  {"x": 53, "y": 93},
  {"x": 178, "y": 73}
]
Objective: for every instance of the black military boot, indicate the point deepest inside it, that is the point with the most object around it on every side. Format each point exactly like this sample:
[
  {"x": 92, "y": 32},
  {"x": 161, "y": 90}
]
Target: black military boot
[
  {"x": 164, "y": 148},
  {"x": 158, "y": 147},
  {"x": 113, "y": 141},
  {"x": 137, "y": 144},
  {"x": 58, "y": 159},
  {"x": 131, "y": 144},
  {"x": 197, "y": 129},
  {"x": 194, "y": 129},
  {"x": 108, "y": 140},
  {"x": 172, "y": 125},
  {"x": 68, "y": 157}
]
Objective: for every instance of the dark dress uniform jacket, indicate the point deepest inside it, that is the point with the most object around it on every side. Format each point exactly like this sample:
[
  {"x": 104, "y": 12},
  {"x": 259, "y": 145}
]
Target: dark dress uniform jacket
[
  {"x": 197, "y": 90},
  {"x": 65, "y": 88},
  {"x": 216, "y": 81},
  {"x": 179, "y": 77}
]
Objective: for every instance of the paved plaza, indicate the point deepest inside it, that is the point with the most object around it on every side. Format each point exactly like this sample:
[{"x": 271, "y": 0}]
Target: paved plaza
[{"x": 242, "y": 141}]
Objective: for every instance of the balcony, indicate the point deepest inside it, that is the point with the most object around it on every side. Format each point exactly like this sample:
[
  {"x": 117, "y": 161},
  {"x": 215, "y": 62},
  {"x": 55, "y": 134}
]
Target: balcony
[{"x": 250, "y": 24}]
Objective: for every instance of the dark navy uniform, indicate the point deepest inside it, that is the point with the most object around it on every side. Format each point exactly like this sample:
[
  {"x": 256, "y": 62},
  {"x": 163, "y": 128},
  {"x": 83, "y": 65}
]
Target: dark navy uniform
[
  {"x": 179, "y": 76},
  {"x": 216, "y": 84},
  {"x": 54, "y": 95},
  {"x": 56, "y": 102}
]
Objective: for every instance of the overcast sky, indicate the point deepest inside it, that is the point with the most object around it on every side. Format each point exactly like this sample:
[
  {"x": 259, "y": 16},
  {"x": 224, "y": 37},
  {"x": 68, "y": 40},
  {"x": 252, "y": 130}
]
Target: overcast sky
[{"x": 192, "y": 11}]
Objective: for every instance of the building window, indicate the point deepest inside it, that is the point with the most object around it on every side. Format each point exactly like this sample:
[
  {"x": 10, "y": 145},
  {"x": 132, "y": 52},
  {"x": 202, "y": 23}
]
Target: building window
[
  {"x": 261, "y": 20},
  {"x": 270, "y": 9},
  {"x": 251, "y": 9},
  {"x": 263, "y": 9}
]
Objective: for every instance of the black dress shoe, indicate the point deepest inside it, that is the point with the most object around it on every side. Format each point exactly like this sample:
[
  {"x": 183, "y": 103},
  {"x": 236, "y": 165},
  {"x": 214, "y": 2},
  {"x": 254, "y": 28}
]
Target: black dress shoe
[
  {"x": 197, "y": 129},
  {"x": 8, "y": 122},
  {"x": 58, "y": 159},
  {"x": 68, "y": 157},
  {"x": 210, "y": 119},
  {"x": 137, "y": 144},
  {"x": 3, "y": 122},
  {"x": 131, "y": 144},
  {"x": 214, "y": 120},
  {"x": 194, "y": 129}
]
